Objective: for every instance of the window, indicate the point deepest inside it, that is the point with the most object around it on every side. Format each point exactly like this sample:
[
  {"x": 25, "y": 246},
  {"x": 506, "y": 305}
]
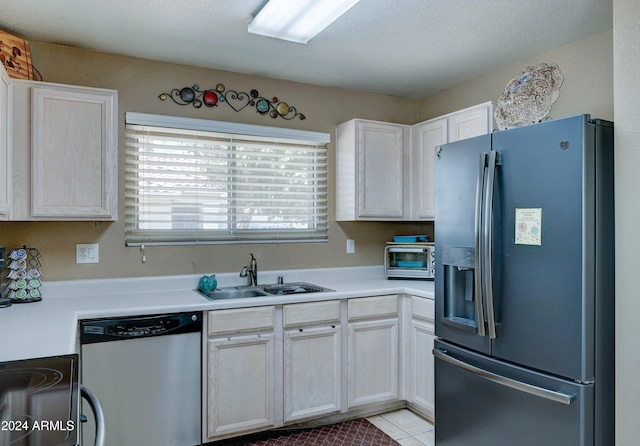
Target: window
[{"x": 191, "y": 181}]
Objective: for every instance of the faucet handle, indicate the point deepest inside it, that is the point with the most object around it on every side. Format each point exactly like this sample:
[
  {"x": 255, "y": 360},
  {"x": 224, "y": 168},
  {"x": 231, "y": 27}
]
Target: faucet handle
[
  {"x": 243, "y": 273},
  {"x": 280, "y": 280}
]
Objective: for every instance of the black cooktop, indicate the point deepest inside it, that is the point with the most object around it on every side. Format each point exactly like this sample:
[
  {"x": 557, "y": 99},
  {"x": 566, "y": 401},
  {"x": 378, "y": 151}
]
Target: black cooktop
[{"x": 39, "y": 401}]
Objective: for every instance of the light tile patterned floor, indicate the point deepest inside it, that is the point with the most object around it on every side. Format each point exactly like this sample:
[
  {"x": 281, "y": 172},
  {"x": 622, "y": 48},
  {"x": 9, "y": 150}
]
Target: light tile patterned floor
[{"x": 405, "y": 427}]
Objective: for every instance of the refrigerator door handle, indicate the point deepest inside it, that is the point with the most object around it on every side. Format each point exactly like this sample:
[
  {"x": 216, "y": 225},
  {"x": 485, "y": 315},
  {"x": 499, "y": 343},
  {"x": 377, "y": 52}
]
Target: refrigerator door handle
[
  {"x": 488, "y": 243},
  {"x": 552, "y": 395},
  {"x": 477, "y": 286}
]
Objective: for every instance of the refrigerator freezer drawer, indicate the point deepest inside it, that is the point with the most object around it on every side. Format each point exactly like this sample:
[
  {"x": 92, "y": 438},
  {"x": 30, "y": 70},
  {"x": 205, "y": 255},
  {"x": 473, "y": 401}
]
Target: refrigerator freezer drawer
[{"x": 485, "y": 402}]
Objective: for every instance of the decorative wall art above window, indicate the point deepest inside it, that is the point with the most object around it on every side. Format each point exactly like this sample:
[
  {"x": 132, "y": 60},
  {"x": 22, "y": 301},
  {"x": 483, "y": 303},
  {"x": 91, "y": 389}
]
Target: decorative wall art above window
[{"x": 236, "y": 100}]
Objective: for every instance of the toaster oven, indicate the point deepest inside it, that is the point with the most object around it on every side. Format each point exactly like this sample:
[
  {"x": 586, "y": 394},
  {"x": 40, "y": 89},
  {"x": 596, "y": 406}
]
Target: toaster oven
[{"x": 409, "y": 261}]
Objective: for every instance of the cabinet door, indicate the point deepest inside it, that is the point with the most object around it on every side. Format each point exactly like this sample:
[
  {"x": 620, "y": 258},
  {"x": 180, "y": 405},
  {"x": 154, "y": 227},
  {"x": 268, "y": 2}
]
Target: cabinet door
[
  {"x": 5, "y": 144},
  {"x": 425, "y": 138},
  {"x": 422, "y": 372},
  {"x": 380, "y": 181},
  {"x": 311, "y": 372},
  {"x": 240, "y": 385},
  {"x": 373, "y": 362},
  {"x": 74, "y": 154},
  {"x": 470, "y": 122}
]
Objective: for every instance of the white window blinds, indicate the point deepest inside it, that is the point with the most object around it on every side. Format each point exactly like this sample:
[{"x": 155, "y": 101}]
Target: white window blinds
[{"x": 190, "y": 182}]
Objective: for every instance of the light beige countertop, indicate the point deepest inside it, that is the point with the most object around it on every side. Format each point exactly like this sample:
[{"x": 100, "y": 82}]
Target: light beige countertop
[{"x": 50, "y": 327}]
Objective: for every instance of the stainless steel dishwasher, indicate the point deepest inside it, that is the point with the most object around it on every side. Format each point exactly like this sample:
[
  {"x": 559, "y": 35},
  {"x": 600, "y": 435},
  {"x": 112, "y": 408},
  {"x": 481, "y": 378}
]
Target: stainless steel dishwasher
[{"x": 146, "y": 373}]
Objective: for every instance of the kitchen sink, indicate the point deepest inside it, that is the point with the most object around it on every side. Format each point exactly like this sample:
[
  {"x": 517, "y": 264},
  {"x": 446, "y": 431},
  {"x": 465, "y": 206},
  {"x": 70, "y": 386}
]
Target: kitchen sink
[
  {"x": 294, "y": 288},
  {"x": 242, "y": 292},
  {"x": 233, "y": 293}
]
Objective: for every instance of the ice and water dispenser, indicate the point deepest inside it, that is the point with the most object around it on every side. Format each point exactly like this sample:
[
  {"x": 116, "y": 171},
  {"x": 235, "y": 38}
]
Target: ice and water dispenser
[{"x": 459, "y": 290}]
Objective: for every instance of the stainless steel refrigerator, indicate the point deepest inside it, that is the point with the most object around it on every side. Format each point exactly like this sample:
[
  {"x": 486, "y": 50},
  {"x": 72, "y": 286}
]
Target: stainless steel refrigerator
[{"x": 524, "y": 284}]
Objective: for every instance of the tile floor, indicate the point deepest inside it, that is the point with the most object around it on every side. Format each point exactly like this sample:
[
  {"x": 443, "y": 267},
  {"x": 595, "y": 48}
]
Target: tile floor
[{"x": 405, "y": 427}]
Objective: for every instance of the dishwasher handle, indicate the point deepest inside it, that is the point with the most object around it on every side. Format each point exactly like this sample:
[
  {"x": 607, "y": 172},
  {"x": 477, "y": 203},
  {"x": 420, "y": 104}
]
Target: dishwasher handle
[{"x": 98, "y": 414}]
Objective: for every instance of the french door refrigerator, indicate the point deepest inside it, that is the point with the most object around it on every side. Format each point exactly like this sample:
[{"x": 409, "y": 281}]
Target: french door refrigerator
[{"x": 524, "y": 287}]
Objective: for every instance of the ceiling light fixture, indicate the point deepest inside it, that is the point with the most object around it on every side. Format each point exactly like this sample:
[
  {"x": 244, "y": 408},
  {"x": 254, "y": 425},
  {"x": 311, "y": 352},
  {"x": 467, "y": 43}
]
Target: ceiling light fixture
[{"x": 297, "y": 21}]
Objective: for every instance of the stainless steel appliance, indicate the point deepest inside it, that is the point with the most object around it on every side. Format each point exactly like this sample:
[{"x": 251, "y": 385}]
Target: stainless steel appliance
[
  {"x": 525, "y": 287},
  {"x": 409, "y": 261},
  {"x": 39, "y": 401},
  {"x": 146, "y": 373}
]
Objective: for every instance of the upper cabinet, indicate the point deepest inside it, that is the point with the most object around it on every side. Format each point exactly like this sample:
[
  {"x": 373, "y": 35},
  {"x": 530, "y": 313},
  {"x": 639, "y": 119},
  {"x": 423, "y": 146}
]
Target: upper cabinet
[
  {"x": 385, "y": 171},
  {"x": 470, "y": 122},
  {"x": 371, "y": 160},
  {"x": 425, "y": 137},
  {"x": 5, "y": 144},
  {"x": 428, "y": 135},
  {"x": 64, "y": 152}
]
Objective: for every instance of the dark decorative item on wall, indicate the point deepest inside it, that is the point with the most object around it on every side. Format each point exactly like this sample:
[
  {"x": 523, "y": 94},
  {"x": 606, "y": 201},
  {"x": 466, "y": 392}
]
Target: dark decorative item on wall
[
  {"x": 528, "y": 97},
  {"x": 236, "y": 100}
]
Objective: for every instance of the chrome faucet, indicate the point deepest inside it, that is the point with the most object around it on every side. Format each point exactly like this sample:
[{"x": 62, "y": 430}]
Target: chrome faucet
[{"x": 251, "y": 271}]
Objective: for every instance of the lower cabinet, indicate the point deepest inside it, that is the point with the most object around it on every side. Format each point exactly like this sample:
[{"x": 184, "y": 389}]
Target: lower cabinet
[
  {"x": 311, "y": 373},
  {"x": 312, "y": 367},
  {"x": 372, "y": 350},
  {"x": 240, "y": 382},
  {"x": 421, "y": 372},
  {"x": 255, "y": 365},
  {"x": 270, "y": 366}
]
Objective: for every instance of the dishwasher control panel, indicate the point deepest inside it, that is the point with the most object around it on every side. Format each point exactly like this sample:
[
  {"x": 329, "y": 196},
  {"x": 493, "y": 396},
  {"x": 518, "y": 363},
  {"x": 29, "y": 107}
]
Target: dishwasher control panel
[{"x": 110, "y": 329}]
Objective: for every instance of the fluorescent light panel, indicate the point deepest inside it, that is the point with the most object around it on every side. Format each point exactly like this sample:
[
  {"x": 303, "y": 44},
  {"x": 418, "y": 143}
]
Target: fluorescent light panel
[{"x": 297, "y": 20}]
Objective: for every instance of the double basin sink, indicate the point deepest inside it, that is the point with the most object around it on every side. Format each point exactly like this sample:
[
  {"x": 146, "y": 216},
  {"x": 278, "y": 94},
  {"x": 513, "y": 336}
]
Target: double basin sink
[{"x": 241, "y": 292}]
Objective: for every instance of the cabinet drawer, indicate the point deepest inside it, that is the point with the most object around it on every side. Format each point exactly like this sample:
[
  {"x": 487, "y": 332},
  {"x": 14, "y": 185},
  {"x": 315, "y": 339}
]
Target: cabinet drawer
[
  {"x": 311, "y": 313},
  {"x": 422, "y": 308},
  {"x": 377, "y": 306},
  {"x": 242, "y": 319}
]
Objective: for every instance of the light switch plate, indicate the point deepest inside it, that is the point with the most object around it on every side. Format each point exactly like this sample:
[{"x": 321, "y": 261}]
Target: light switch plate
[
  {"x": 87, "y": 253},
  {"x": 351, "y": 246}
]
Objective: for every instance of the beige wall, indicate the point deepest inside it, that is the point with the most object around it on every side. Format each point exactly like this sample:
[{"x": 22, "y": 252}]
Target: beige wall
[
  {"x": 626, "y": 35},
  {"x": 139, "y": 83},
  {"x": 587, "y": 68},
  {"x": 586, "y": 65}
]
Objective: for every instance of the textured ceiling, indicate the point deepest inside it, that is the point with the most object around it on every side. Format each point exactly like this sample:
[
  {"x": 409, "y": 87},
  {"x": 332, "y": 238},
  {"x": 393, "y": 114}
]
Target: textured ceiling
[{"x": 406, "y": 48}]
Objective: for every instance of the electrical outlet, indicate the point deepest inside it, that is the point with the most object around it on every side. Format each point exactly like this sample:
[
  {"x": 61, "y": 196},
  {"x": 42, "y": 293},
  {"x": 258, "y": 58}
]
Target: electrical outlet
[
  {"x": 351, "y": 246},
  {"x": 87, "y": 253}
]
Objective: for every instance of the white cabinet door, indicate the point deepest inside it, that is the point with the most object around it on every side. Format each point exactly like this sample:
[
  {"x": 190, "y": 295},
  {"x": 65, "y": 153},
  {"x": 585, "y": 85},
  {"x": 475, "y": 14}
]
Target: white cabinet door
[
  {"x": 425, "y": 138},
  {"x": 380, "y": 171},
  {"x": 471, "y": 122},
  {"x": 240, "y": 385},
  {"x": 5, "y": 144},
  {"x": 371, "y": 171},
  {"x": 74, "y": 164},
  {"x": 422, "y": 371},
  {"x": 65, "y": 152},
  {"x": 311, "y": 372},
  {"x": 373, "y": 362}
]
